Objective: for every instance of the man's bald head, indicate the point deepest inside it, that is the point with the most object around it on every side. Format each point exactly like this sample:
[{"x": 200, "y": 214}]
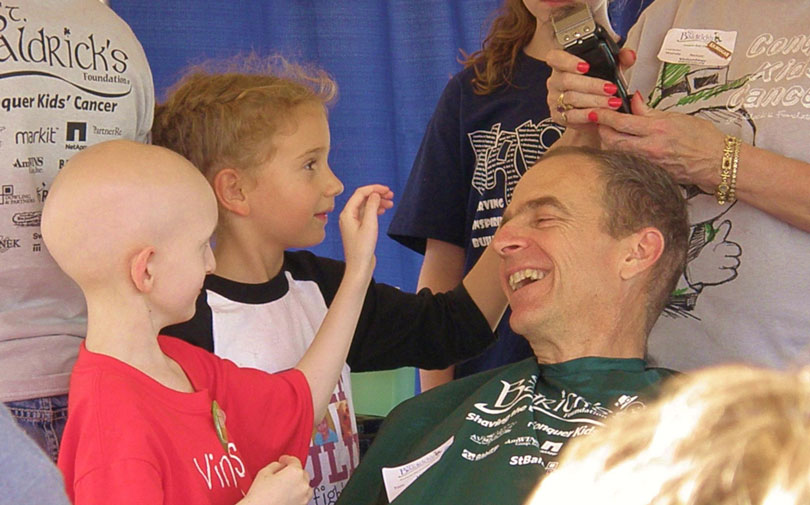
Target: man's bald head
[{"x": 114, "y": 199}]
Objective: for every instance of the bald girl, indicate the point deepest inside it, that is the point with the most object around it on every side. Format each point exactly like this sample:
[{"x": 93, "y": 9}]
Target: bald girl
[
  {"x": 153, "y": 419},
  {"x": 130, "y": 223}
]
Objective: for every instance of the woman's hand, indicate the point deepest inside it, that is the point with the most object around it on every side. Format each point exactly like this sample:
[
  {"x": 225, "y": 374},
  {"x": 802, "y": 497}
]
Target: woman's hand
[
  {"x": 572, "y": 95},
  {"x": 689, "y": 148}
]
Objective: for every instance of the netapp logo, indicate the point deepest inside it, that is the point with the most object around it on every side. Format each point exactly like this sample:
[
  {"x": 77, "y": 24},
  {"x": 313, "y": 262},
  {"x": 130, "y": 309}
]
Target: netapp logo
[
  {"x": 76, "y": 132},
  {"x": 76, "y": 136}
]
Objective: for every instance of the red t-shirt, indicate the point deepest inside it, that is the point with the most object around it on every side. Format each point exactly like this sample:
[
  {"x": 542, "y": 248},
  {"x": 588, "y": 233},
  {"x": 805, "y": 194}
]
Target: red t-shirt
[{"x": 130, "y": 439}]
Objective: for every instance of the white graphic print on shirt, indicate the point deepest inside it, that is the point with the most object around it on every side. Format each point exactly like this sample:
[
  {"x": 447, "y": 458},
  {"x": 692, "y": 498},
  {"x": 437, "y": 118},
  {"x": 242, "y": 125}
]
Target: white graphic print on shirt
[
  {"x": 227, "y": 465},
  {"x": 501, "y": 159},
  {"x": 734, "y": 103}
]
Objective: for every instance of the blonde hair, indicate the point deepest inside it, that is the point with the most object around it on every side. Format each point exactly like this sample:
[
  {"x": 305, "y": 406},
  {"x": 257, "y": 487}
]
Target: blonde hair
[
  {"x": 732, "y": 435},
  {"x": 511, "y": 30},
  {"x": 229, "y": 116}
]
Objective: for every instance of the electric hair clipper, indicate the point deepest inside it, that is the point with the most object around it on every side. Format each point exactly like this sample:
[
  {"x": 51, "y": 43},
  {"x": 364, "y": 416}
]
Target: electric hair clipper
[{"x": 580, "y": 35}]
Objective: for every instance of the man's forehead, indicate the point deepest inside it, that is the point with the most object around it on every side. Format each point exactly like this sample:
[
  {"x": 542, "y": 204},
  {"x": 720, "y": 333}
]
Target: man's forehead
[{"x": 553, "y": 181}]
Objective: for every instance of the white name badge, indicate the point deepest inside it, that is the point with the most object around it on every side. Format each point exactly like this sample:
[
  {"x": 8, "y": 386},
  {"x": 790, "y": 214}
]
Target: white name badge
[
  {"x": 397, "y": 479},
  {"x": 712, "y": 48}
]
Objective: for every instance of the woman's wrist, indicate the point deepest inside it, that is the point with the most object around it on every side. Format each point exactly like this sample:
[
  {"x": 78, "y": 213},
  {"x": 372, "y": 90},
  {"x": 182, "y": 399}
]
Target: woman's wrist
[{"x": 727, "y": 188}]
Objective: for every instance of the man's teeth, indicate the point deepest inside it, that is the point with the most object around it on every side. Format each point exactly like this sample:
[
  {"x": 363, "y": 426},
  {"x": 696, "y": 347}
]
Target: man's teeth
[{"x": 516, "y": 280}]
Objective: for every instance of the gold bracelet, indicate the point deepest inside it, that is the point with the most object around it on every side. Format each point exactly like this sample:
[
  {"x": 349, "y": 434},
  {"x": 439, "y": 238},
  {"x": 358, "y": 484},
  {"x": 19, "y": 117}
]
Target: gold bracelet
[
  {"x": 728, "y": 171},
  {"x": 732, "y": 186}
]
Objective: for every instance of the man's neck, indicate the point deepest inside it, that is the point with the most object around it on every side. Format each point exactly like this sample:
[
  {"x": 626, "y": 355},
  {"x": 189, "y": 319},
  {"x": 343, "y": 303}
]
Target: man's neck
[
  {"x": 550, "y": 351},
  {"x": 621, "y": 336}
]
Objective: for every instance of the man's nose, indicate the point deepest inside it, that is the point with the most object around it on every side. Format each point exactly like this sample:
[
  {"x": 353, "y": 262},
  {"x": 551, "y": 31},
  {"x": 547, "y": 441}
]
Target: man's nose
[{"x": 508, "y": 240}]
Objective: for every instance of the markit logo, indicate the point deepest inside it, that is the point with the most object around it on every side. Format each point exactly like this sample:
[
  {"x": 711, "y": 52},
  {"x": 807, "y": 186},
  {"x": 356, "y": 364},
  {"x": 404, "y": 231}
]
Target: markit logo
[{"x": 41, "y": 136}]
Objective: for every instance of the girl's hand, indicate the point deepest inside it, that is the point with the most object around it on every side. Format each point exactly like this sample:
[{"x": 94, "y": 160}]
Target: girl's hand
[
  {"x": 359, "y": 227},
  {"x": 283, "y": 482}
]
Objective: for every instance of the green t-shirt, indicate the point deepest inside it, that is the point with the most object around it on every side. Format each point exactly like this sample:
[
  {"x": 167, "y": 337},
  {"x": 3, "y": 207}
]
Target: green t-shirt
[{"x": 489, "y": 438}]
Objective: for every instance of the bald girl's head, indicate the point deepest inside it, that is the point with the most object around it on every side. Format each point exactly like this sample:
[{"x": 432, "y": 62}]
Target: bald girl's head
[{"x": 116, "y": 199}]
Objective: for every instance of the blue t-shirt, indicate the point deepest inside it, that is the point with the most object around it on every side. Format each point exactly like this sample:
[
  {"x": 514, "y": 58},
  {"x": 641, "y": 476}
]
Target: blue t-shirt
[{"x": 474, "y": 151}]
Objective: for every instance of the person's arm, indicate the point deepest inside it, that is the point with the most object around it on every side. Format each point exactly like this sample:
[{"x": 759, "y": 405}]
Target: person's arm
[
  {"x": 325, "y": 357},
  {"x": 428, "y": 330},
  {"x": 691, "y": 150},
  {"x": 482, "y": 283},
  {"x": 688, "y": 147},
  {"x": 442, "y": 270}
]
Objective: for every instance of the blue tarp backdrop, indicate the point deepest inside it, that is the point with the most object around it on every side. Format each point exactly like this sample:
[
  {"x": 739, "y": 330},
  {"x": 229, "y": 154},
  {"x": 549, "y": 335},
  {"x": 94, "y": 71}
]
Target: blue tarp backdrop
[{"x": 391, "y": 59}]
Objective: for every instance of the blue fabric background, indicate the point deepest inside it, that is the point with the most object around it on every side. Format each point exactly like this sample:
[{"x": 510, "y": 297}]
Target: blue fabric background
[{"x": 391, "y": 59}]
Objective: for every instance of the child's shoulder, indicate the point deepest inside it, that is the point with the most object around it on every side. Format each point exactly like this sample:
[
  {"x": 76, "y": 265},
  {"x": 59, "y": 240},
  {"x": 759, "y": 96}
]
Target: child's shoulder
[{"x": 104, "y": 390}]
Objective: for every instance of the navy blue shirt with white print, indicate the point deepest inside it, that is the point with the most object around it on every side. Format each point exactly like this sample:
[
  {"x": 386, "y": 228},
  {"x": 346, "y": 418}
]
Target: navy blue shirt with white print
[{"x": 474, "y": 151}]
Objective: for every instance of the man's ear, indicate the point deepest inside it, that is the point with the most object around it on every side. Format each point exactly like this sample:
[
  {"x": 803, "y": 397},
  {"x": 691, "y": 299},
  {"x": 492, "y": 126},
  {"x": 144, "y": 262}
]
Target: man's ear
[
  {"x": 644, "y": 248},
  {"x": 229, "y": 186},
  {"x": 140, "y": 270}
]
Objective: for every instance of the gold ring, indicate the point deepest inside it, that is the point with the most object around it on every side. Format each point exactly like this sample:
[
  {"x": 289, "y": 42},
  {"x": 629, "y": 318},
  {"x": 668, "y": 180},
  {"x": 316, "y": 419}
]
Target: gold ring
[
  {"x": 561, "y": 105},
  {"x": 564, "y": 118}
]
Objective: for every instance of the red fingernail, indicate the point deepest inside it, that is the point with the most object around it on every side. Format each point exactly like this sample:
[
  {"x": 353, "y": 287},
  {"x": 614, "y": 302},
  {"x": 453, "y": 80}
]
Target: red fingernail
[
  {"x": 615, "y": 102},
  {"x": 611, "y": 88},
  {"x": 593, "y": 117},
  {"x": 583, "y": 67}
]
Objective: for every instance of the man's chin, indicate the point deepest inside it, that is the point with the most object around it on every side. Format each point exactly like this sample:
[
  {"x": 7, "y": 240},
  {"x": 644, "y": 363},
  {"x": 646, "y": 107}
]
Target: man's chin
[{"x": 523, "y": 324}]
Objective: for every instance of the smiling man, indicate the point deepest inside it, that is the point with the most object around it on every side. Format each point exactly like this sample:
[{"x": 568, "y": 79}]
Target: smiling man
[{"x": 591, "y": 246}]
